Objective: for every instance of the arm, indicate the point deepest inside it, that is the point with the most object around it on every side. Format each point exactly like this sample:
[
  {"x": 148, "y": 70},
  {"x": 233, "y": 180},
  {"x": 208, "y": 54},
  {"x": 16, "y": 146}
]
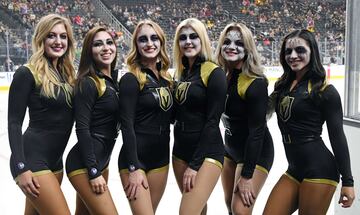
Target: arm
[
  {"x": 129, "y": 90},
  {"x": 257, "y": 99},
  {"x": 333, "y": 114},
  {"x": 216, "y": 94},
  {"x": 21, "y": 88},
  {"x": 84, "y": 101}
]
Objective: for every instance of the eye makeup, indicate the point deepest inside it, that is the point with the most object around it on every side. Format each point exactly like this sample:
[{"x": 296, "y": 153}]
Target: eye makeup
[
  {"x": 98, "y": 43},
  {"x": 145, "y": 39},
  {"x": 298, "y": 49},
  {"x": 191, "y": 36}
]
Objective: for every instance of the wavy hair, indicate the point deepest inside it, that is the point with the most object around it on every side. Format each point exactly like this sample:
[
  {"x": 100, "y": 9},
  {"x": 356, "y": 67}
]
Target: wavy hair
[
  {"x": 133, "y": 58},
  {"x": 205, "y": 52},
  {"x": 315, "y": 70},
  {"x": 252, "y": 62},
  {"x": 87, "y": 65},
  {"x": 44, "y": 73}
]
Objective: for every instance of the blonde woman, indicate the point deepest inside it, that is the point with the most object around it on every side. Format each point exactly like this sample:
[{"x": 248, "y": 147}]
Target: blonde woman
[
  {"x": 145, "y": 111},
  {"x": 45, "y": 86},
  {"x": 198, "y": 151},
  {"x": 248, "y": 143}
]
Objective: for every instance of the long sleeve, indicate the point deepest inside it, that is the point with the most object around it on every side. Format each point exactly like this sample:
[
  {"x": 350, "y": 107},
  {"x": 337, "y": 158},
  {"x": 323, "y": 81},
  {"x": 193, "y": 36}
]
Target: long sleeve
[
  {"x": 20, "y": 90},
  {"x": 216, "y": 94},
  {"x": 129, "y": 90},
  {"x": 332, "y": 110},
  {"x": 84, "y": 101},
  {"x": 257, "y": 99}
]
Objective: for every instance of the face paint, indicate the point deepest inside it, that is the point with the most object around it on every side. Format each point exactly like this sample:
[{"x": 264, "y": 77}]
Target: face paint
[
  {"x": 148, "y": 42},
  {"x": 189, "y": 42},
  {"x": 297, "y": 54},
  {"x": 233, "y": 47},
  {"x": 103, "y": 49}
]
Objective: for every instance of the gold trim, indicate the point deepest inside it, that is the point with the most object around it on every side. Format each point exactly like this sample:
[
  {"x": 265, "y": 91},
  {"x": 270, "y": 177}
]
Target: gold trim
[
  {"x": 321, "y": 181},
  {"x": 124, "y": 171},
  {"x": 291, "y": 178},
  {"x": 213, "y": 161},
  {"x": 4, "y": 88},
  {"x": 205, "y": 71},
  {"x": 243, "y": 83},
  {"x": 160, "y": 169},
  {"x": 58, "y": 171},
  {"x": 258, "y": 167},
  {"x": 77, "y": 172},
  {"x": 229, "y": 159}
]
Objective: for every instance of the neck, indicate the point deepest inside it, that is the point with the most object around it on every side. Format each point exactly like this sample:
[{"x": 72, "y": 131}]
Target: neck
[
  {"x": 149, "y": 63},
  {"x": 234, "y": 65},
  {"x": 191, "y": 62},
  {"x": 300, "y": 74},
  {"x": 106, "y": 71},
  {"x": 54, "y": 63}
]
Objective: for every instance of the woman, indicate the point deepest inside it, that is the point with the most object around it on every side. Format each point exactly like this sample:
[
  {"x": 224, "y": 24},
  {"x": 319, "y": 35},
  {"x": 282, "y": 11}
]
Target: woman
[
  {"x": 96, "y": 106},
  {"x": 303, "y": 102},
  {"x": 248, "y": 143},
  {"x": 45, "y": 86},
  {"x": 145, "y": 106},
  {"x": 198, "y": 151}
]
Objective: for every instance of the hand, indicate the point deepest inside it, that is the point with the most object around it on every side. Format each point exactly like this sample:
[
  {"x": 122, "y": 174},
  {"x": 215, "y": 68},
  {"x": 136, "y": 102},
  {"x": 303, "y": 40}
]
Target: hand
[
  {"x": 189, "y": 179},
  {"x": 244, "y": 188},
  {"x": 28, "y": 184},
  {"x": 347, "y": 196},
  {"x": 136, "y": 179},
  {"x": 98, "y": 185}
]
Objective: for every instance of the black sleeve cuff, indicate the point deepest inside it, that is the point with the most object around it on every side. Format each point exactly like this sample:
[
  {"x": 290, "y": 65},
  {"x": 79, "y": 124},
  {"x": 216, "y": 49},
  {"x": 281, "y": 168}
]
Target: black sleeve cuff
[{"x": 347, "y": 181}]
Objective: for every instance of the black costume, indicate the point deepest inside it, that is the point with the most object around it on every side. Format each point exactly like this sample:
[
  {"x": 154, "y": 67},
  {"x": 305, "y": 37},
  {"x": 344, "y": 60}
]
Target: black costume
[
  {"x": 300, "y": 120},
  {"x": 96, "y": 116},
  {"x": 200, "y": 98},
  {"x": 247, "y": 138},
  {"x": 41, "y": 147},
  {"x": 145, "y": 122}
]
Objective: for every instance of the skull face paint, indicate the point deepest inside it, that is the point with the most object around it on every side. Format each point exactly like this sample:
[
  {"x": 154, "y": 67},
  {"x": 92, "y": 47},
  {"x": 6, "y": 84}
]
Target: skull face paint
[
  {"x": 148, "y": 42},
  {"x": 189, "y": 42},
  {"x": 297, "y": 54},
  {"x": 233, "y": 47}
]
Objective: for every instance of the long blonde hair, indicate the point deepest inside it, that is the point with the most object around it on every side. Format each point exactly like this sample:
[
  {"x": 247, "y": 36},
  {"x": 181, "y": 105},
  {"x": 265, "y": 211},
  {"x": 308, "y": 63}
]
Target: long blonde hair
[
  {"x": 45, "y": 75},
  {"x": 252, "y": 62},
  {"x": 205, "y": 52},
  {"x": 133, "y": 58}
]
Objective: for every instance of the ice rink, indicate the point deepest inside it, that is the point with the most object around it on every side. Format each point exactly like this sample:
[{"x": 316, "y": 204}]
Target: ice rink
[{"x": 12, "y": 199}]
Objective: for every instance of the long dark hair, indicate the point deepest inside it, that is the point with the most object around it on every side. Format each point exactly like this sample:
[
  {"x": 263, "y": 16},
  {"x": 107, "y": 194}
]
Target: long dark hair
[
  {"x": 315, "y": 71},
  {"x": 87, "y": 64}
]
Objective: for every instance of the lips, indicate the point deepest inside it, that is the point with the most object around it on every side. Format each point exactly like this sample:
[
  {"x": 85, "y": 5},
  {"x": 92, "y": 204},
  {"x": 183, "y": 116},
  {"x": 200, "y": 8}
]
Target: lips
[{"x": 57, "y": 49}]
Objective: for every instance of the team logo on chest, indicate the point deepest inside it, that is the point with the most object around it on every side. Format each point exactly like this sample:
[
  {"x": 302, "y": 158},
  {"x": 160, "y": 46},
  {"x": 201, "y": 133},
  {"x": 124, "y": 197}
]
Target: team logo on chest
[
  {"x": 165, "y": 98},
  {"x": 285, "y": 108},
  {"x": 181, "y": 92}
]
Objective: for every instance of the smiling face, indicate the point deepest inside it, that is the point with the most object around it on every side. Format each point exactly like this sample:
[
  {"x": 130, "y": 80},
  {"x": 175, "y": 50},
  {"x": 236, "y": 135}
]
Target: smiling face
[
  {"x": 189, "y": 42},
  {"x": 56, "y": 42},
  {"x": 233, "y": 50},
  {"x": 148, "y": 42},
  {"x": 297, "y": 54},
  {"x": 103, "y": 49}
]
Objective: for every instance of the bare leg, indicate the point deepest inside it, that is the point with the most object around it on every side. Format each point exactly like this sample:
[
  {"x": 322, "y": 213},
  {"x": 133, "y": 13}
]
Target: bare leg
[
  {"x": 157, "y": 183},
  {"x": 227, "y": 180}
]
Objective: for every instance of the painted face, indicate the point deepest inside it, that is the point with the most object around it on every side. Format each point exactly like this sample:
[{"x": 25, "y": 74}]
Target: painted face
[
  {"x": 148, "y": 42},
  {"x": 56, "y": 42},
  {"x": 297, "y": 54},
  {"x": 189, "y": 42},
  {"x": 103, "y": 49},
  {"x": 233, "y": 46}
]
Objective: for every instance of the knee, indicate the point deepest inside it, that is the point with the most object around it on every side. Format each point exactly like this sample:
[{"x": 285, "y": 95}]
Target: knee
[
  {"x": 241, "y": 210},
  {"x": 228, "y": 199}
]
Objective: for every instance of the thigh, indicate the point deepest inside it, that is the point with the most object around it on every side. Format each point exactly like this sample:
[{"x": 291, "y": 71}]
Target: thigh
[
  {"x": 258, "y": 180},
  {"x": 283, "y": 199},
  {"x": 95, "y": 203},
  {"x": 193, "y": 202},
  {"x": 227, "y": 180},
  {"x": 179, "y": 168},
  {"x": 315, "y": 198},
  {"x": 157, "y": 183},
  {"x": 142, "y": 204},
  {"x": 51, "y": 199}
]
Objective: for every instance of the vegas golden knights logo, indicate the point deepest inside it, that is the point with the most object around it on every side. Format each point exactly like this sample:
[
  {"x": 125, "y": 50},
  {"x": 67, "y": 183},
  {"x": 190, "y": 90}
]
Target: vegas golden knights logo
[
  {"x": 166, "y": 99},
  {"x": 285, "y": 108},
  {"x": 181, "y": 92}
]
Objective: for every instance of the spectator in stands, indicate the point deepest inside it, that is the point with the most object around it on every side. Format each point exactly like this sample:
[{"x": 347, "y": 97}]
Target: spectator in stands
[
  {"x": 248, "y": 143},
  {"x": 146, "y": 107},
  {"x": 96, "y": 106},
  {"x": 8, "y": 65},
  {"x": 198, "y": 152},
  {"x": 45, "y": 86},
  {"x": 303, "y": 101}
]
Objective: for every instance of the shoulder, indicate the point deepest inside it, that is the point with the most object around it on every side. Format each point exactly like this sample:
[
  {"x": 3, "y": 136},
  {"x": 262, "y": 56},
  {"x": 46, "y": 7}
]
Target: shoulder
[
  {"x": 246, "y": 83},
  {"x": 23, "y": 73},
  {"x": 208, "y": 69}
]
